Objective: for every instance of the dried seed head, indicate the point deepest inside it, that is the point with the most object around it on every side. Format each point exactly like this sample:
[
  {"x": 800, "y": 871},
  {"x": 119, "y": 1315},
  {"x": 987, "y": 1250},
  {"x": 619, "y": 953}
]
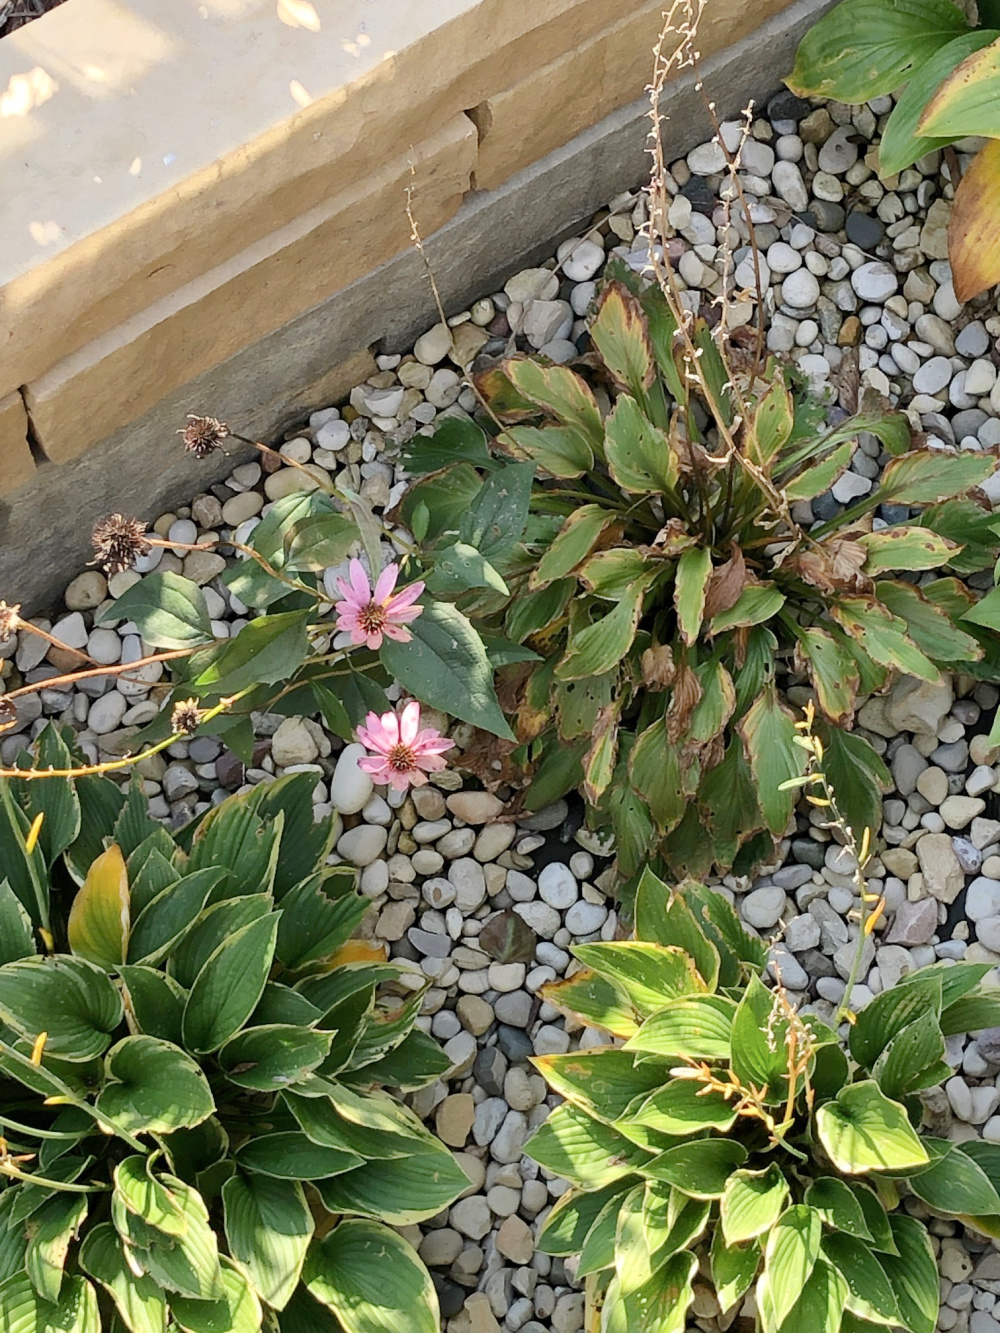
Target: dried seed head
[
  {"x": 9, "y": 619},
  {"x": 203, "y": 435},
  {"x": 186, "y": 717},
  {"x": 119, "y": 541},
  {"x": 8, "y": 713}
]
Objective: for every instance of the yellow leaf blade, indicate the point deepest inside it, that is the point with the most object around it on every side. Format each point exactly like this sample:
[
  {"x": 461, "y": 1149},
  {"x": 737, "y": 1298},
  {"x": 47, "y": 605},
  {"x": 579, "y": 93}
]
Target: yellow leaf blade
[
  {"x": 973, "y": 237},
  {"x": 99, "y": 918}
]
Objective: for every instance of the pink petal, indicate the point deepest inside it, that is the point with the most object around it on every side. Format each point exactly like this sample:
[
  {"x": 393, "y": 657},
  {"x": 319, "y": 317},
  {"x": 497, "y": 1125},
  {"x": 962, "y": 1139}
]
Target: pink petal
[
  {"x": 390, "y": 727},
  {"x": 400, "y": 780},
  {"x": 347, "y": 616},
  {"x": 416, "y": 777},
  {"x": 431, "y": 763},
  {"x": 347, "y": 592},
  {"x": 374, "y": 640},
  {"x": 375, "y": 768},
  {"x": 402, "y": 615},
  {"x": 386, "y": 583},
  {"x": 410, "y": 723},
  {"x": 397, "y": 633},
  {"x": 359, "y": 581},
  {"x": 357, "y": 633},
  {"x": 405, "y": 597},
  {"x": 433, "y": 744}
]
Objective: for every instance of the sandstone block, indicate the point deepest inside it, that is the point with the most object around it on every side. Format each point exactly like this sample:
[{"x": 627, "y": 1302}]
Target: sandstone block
[{"x": 16, "y": 463}]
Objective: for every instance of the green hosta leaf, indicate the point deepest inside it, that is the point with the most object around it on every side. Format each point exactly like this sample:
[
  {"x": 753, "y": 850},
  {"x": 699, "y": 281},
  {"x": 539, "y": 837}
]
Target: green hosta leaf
[
  {"x": 318, "y": 541},
  {"x": 734, "y": 1268},
  {"x": 758, "y": 1041},
  {"x": 236, "y": 838},
  {"x": 700, "y": 1169},
  {"x": 56, "y": 798},
  {"x": 25, "y": 871},
  {"x": 572, "y": 544},
  {"x": 446, "y": 666},
  {"x": 837, "y": 1206},
  {"x": 882, "y": 636},
  {"x": 399, "y": 1190},
  {"x": 772, "y": 424},
  {"x": 186, "y": 1264},
  {"x": 986, "y": 611},
  {"x": 317, "y": 917},
  {"x": 367, "y": 1276},
  {"x": 682, "y": 1107},
  {"x": 602, "y": 1082},
  {"x": 150, "y": 1199},
  {"x": 50, "y": 1233},
  {"x": 266, "y": 650},
  {"x": 237, "y": 1311},
  {"x": 594, "y": 1000},
  {"x": 274, "y": 1056},
  {"x": 902, "y": 143},
  {"x": 694, "y": 1027},
  {"x": 665, "y": 917},
  {"x": 568, "y": 1224},
  {"x": 970, "y": 1014},
  {"x": 790, "y": 1256},
  {"x": 889, "y": 1013},
  {"x": 226, "y": 990},
  {"x": 169, "y": 611},
  {"x": 832, "y": 671},
  {"x": 876, "y": 1217},
  {"x": 955, "y": 1184},
  {"x": 662, "y": 332},
  {"x": 820, "y": 1304},
  {"x": 16, "y": 937},
  {"x": 753, "y": 1201},
  {"x": 640, "y": 456},
  {"x": 561, "y": 393},
  {"x": 268, "y": 1228},
  {"x": 22, "y": 1310},
  {"x": 654, "y": 767},
  {"x": 857, "y": 775},
  {"x": 913, "y": 1059},
  {"x": 739, "y": 952},
  {"x": 768, "y": 731},
  {"x": 925, "y": 476},
  {"x": 903, "y": 547},
  {"x": 562, "y": 451},
  {"x": 598, "y": 647},
  {"x": 964, "y": 102},
  {"x": 866, "y": 48},
  {"x": 862, "y": 1130},
  {"x": 70, "y": 999},
  {"x": 690, "y": 585},
  {"x": 913, "y": 1274},
  {"x": 814, "y": 480},
  {"x": 496, "y": 519},
  {"x": 869, "y": 1293},
  {"x": 582, "y": 1150},
  {"x": 155, "y": 1000},
  {"x": 611, "y": 574},
  {"x": 928, "y": 625},
  {"x": 754, "y": 605},
  {"x": 598, "y": 1250},
  {"x": 152, "y": 1087},
  {"x": 165, "y": 920},
  {"x": 661, "y": 1304},
  {"x": 650, "y": 974},
  {"x": 620, "y": 332},
  {"x": 139, "y": 1300},
  {"x": 288, "y": 1155}
]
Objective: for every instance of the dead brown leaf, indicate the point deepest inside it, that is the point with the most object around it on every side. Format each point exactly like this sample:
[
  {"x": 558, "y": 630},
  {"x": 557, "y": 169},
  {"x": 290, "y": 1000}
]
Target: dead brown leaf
[
  {"x": 834, "y": 566},
  {"x": 726, "y": 583},
  {"x": 685, "y": 695},
  {"x": 658, "y": 670}
]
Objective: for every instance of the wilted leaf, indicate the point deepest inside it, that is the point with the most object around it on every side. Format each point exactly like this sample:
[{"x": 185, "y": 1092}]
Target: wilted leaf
[
  {"x": 769, "y": 733},
  {"x": 99, "y": 918},
  {"x": 966, "y": 100},
  {"x": 508, "y": 938},
  {"x": 620, "y": 333},
  {"x": 973, "y": 240},
  {"x": 903, "y": 547}
]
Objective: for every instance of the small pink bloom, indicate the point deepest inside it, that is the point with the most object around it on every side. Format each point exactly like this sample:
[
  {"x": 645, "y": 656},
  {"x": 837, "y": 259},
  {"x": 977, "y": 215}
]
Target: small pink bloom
[
  {"x": 404, "y": 754},
  {"x": 367, "y": 615}
]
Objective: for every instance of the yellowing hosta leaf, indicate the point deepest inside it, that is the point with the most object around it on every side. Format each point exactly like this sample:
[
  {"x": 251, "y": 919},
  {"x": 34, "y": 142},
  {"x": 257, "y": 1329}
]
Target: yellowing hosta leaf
[
  {"x": 754, "y": 605},
  {"x": 772, "y": 424},
  {"x": 820, "y": 477},
  {"x": 620, "y": 333},
  {"x": 594, "y": 1000},
  {"x": 600, "y": 646},
  {"x": 99, "y": 918},
  {"x": 571, "y": 545},
  {"x": 602, "y": 1081},
  {"x": 641, "y": 457},
  {"x": 925, "y": 476},
  {"x": 883, "y": 636},
  {"x": 833, "y": 673},
  {"x": 973, "y": 239},
  {"x": 690, "y": 585},
  {"x": 768, "y": 731},
  {"x": 650, "y": 974},
  {"x": 966, "y": 101},
  {"x": 906, "y": 548},
  {"x": 560, "y": 393}
]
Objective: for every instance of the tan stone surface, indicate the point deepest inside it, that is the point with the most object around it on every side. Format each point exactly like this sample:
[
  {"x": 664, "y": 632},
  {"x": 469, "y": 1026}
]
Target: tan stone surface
[
  {"x": 209, "y": 127},
  {"x": 118, "y": 377},
  {"x": 16, "y": 463},
  {"x": 551, "y": 104}
]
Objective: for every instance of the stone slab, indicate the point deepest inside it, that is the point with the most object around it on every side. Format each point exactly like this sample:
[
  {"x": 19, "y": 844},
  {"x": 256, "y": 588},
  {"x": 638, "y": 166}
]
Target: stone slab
[
  {"x": 266, "y": 387},
  {"x": 120, "y": 376},
  {"x": 17, "y": 465},
  {"x": 212, "y": 126}
]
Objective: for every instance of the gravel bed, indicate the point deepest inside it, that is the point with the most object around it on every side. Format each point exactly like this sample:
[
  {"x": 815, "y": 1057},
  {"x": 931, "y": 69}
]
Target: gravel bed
[{"x": 858, "y": 293}]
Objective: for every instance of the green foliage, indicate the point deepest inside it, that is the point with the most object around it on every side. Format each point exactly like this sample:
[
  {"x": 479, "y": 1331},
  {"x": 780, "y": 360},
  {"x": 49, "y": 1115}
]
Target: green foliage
[
  {"x": 191, "y": 1056},
  {"x": 731, "y": 1134},
  {"x": 651, "y": 563}
]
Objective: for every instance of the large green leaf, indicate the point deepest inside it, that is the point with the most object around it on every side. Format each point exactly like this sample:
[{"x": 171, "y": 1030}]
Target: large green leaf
[
  {"x": 318, "y": 916},
  {"x": 925, "y": 476},
  {"x": 682, "y": 1107},
  {"x": 955, "y": 1184},
  {"x": 661, "y": 1303},
  {"x": 650, "y": 974},
  {"x": 833, "y": 672},
  {"x": 561, "y": 451},
  {"x": 238, "y": 839},
  {"x": 584, "y": 1151},
  {"x": 752, "y": 1203},
  {"x": 814, "y": 480},
  {"x": 51, "y": 1231},
  {"x": 602, "y": 1081},
  {"x": 690, "y": 585},
  {"x": 55, "y": 799},
  {"x": 24, "y": 870},
  {"x": 913, "y": 1274},
  {"x": 265, "y": 650},
  {"x": 155, "y": 1000},
  {"x": 268, "y": 1228},
  {"x": 640, "y": 455},
  {"x": 866, "y": 48},
  {"x": 318, "y": 541},
  {"x": 289, "y": 1155},
  {"x": 152, "y": 1087},
  {"x": 869, "y": 1293},
  {"x": 914, "y": 1059},
  {"x": 790, "y": 1255},
  {"x": 22, "y": 1310},
  {"x": 494, "y": 523},
  {"x": 169, "y": 611},
  {"x": 902, "y": 143},
  {"x": 572, "y": 544},
  {"x": 837, "y": 1206},
  {"x": 237, "y": 1310},
  {"x": 889, "y": 1013},
  {"x": 665, "y": 917},
  {"x": 733, "y": 1268},
  {"x": 594, "y": 1000},
  {"x": 367, "y": 1276},
  {"x": 446, "y": 667},
  {"x": 694, "y": 1027},
  {"x": 139, "y": 1299},
  {"x": 862, "y": 1130},
  {"x": 857, "y": 775},
  {"x": 398, "y": 1190},
  {"x": 187, "y": 1264},
  {"x": 148, "y": 1197},
  {"x": 16, "y": 938},
  {"x": 768, "y": 730},
  {"x": 700, "y": 1169},
  {"x": 226, "y": 990},
  {"x": 929, "y": 625},
  {"x": 274, "y": 1056},
  {"x": 597, "y": 647},
  {"x": 71, "y": 1000},
  {"x": 165, "y": 920},
  {"x": 620, "y": 332},
  {"x": 820, "y": 1303},
  {"x": 905, "y": 547},
  {"x": 563, "y": 394},
  {"x": 882, "y": 637},
  {"x": 759, "y": 1036}
]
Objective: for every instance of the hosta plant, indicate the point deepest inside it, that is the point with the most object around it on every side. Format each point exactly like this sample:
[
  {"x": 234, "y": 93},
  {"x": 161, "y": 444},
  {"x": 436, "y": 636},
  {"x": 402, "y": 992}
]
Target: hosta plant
[
  {"x": 951, "y": 72},
  {"x": 629, "y": 519},
  {"x": 194, "y": 1054},
  {"x": 733, "y": 1143}
]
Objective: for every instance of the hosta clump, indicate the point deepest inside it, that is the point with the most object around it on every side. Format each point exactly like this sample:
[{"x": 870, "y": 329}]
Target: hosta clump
[
  {"x": 192, "y": 1056},
  {"x": 733, "y": 1142},
  {"x": 630, "y": 523}
]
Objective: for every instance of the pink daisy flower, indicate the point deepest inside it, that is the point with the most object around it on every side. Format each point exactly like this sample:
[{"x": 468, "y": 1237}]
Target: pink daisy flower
[
  {"x": 368, "y": 615},
  {"x": 404, "y": 754}
]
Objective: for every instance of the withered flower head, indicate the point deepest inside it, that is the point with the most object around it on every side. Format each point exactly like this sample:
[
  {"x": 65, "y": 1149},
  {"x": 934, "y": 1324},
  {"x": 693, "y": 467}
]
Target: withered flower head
[
  {"x": 203, "y": 435},
  {"x": 185, "y": 718},
  {"x": 119, "y": 541},
  {"x": 8, "y": 713},
  {"x": 9, "y": 619}
]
